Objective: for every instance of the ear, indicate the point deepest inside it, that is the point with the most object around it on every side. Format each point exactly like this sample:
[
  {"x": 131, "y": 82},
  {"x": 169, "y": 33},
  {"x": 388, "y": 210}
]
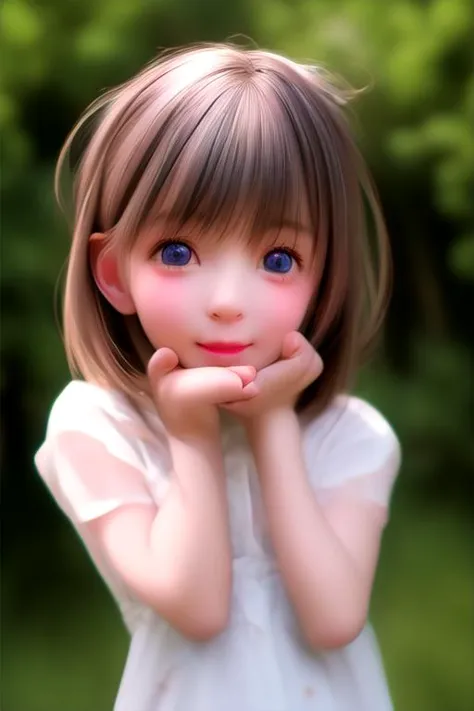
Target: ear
[{"x": 107, "y": 275}]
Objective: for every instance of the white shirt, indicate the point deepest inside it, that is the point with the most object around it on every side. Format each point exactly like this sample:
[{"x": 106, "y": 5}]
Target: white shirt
[{"x": 260, "y": 662}]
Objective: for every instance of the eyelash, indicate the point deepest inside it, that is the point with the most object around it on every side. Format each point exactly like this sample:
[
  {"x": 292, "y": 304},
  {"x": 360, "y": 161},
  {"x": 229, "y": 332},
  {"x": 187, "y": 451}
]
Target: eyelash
[
  {"x": 289, "y": 250},
  {"x": 280, "y": 248},
  {"x": 165, "y": 243}
]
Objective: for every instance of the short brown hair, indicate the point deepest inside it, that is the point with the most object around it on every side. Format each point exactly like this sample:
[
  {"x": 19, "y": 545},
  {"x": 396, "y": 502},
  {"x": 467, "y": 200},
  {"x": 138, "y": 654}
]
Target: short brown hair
[{"x": 247, "y": 135}]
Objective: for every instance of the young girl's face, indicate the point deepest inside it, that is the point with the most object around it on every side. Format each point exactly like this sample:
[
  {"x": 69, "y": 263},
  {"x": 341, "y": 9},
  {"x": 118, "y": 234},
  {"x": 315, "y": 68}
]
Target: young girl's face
[{"x": 221, "y": 301}]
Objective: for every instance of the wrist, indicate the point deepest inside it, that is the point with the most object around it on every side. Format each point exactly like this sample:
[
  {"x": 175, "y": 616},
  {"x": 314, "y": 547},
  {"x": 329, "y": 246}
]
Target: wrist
[
  {"x": 196, "y": 457},
  {"x": 273, "y": 421},
  {"x": 194, "y": 428},
  {"x": 198, "y": 438}
]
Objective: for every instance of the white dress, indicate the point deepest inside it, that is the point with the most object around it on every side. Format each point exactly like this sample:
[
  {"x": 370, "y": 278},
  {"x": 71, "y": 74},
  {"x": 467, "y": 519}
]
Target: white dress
[{"x": 260, "y": 662}]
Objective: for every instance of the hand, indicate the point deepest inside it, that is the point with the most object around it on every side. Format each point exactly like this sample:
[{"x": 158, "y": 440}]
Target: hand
[
  {"x": 187, "y": 398},
  {"x": 279, "y": 384}
]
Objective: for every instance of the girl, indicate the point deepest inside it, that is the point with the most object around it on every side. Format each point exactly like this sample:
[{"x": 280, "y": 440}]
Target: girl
[{"x": 230, "y": 494}]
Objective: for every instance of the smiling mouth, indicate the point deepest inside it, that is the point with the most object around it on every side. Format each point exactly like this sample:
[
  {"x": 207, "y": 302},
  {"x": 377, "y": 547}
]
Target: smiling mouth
[{"x": 224, "y": 348}]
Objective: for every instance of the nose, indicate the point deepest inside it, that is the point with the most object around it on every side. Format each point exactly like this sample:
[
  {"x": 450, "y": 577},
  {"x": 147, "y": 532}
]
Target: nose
[
  {"x": 226, "y": 313},
  {"x": 226, "y": 300}
]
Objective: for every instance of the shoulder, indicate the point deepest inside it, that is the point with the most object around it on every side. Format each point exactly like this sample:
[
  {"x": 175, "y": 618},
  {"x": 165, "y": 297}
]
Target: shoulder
[
  {"x": 353, "y": 432},
  {"x": 87, "y": 406},
  {"x": 92, "y": 433},
  {"x": 88, "y": 410},
  {"x": 86, "y": 413},
  {"x": 349, "y": 415},
  {"x": 80, "y": 398}
]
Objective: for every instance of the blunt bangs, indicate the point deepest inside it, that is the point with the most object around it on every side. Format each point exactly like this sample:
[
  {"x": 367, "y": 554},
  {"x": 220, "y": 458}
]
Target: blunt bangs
[
  {"x": 238, "y": 174},
  {"x": 237, "y": 153}
]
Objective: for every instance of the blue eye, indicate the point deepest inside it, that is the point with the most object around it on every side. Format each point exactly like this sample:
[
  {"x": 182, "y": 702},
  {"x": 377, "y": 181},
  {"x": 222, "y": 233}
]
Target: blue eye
[
  {"x": 278, "y": 261},
  {"x": 176, "y": 254}
]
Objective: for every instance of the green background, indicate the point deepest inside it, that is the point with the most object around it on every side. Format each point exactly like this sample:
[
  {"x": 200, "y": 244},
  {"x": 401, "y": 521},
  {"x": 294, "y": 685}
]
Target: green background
[{"x": 63, "y": 643}]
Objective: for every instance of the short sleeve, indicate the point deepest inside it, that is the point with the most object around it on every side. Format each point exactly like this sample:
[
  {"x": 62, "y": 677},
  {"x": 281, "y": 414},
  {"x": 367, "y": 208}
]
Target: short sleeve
[
  {"x": 353, "y": 450},
  {"x": 89, "y": 460}
]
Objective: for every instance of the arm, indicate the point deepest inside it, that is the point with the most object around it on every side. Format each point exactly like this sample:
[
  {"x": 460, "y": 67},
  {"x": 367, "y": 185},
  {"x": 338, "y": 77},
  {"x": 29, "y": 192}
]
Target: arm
[
  {"x": 327, "y": 557},
  {"x": 176, "y": 559}
]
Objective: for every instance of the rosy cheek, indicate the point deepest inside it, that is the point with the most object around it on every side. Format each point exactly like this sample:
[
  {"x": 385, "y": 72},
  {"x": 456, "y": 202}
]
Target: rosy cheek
[
  {"x": 163, "y": 301},
  {"x": 289, "y": 306},
  {"x": 171, "y": 293}
]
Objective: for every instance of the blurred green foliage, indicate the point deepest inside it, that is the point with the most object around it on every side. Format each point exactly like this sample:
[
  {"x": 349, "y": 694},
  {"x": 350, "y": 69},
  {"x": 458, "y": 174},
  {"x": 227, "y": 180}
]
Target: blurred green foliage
[{"x": 63, "y": 642}]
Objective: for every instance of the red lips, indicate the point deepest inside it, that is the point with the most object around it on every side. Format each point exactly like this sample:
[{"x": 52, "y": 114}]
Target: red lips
[{"x": 222, "y": 348}]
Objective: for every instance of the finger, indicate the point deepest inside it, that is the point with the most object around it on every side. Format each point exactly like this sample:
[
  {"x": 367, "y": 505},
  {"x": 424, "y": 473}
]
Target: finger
[
  {"x": 305, "y": 359},
  {"x": 250, "y": 391},
  {"x": 297, "y": 354},
  {"x": 210, "y": 385},
  {"x": 231, "y": 392},
  {"x": 318, "y": 365},
  {"x": 246, "y": 373},
  {"x": 163, "y": 361},
  {"x": 283, "y": 370},
  {"x": 294, "y": 344}
]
